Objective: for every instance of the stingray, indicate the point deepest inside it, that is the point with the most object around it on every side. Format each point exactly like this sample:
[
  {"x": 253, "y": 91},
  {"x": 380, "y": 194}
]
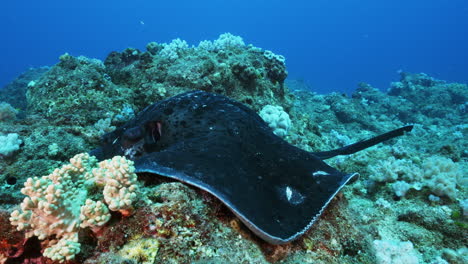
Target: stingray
[{"x": 223, "y": 147}]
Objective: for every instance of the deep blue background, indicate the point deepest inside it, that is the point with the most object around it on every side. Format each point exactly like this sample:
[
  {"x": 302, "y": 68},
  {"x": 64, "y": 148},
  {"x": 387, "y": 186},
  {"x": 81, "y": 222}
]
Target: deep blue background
[{"x": 332, "y": 45}]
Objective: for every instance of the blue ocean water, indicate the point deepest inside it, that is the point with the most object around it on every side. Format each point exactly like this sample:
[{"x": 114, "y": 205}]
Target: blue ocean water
[{"x": 331, "y": 45}]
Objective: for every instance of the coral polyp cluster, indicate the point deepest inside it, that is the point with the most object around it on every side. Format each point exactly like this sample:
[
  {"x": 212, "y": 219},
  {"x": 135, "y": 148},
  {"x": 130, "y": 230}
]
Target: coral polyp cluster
[{"x": 58, "y": 204}]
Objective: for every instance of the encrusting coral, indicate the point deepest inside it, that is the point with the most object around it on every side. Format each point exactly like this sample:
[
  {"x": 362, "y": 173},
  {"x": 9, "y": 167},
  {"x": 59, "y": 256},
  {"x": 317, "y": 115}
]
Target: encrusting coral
[
  {"x": 142, "y": 250},
  {"x": 277, "y": 119}
]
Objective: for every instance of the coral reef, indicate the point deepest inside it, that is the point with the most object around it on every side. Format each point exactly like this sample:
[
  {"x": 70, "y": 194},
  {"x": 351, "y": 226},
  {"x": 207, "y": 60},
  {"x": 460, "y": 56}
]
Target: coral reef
[
  {"x": 410, "y": 202},
  {"x": 15, "y": 92},
  {"x": 76, "y": 90},
  {"x": 7, "y": 112},
  {"x": 226, "y": 66}
]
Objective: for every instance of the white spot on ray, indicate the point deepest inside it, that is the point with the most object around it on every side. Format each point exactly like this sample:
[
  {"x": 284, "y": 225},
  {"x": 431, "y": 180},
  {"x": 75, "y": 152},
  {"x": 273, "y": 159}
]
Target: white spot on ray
[
  {"x": 319, "y": 173},
  {"x": 288, "y": 193},
  {"x": 292, "y": 195}
]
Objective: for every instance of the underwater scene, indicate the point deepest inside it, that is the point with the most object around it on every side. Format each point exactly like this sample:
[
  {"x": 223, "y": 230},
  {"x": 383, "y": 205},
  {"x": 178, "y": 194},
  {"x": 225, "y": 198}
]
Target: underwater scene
[{"x": 198, "y": 146}]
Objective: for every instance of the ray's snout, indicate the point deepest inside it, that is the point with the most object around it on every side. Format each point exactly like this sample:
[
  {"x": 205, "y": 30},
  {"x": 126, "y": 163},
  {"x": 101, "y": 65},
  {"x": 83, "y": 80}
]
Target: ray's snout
[{"x": 131, "y": 136}]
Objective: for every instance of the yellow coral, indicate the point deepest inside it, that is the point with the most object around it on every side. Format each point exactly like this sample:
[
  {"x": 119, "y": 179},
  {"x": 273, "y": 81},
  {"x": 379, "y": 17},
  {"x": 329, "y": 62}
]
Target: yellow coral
[{"x": 142, "y": 250}]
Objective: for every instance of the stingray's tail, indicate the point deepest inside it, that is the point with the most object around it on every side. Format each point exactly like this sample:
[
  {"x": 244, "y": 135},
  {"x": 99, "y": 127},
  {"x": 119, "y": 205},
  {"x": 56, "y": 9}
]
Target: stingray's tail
[{"x": 353, "y": 148}]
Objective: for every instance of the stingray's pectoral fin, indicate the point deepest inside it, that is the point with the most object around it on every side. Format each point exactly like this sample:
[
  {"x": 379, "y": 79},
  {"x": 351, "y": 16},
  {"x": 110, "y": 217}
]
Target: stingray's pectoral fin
[
  {"x": 98, "y": 153},
  {"x": 353, "y": 148},
  {"x": 351, "y": 178},
  {"x": 333, "y": 178}
]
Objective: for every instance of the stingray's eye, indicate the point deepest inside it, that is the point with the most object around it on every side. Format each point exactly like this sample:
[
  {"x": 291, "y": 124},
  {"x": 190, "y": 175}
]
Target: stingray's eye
[{"x": 152, "y": 134}]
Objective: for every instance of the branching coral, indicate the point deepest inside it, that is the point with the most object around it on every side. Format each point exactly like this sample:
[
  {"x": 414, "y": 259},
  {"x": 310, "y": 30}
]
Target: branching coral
[{"x": 57, "y": 205}]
